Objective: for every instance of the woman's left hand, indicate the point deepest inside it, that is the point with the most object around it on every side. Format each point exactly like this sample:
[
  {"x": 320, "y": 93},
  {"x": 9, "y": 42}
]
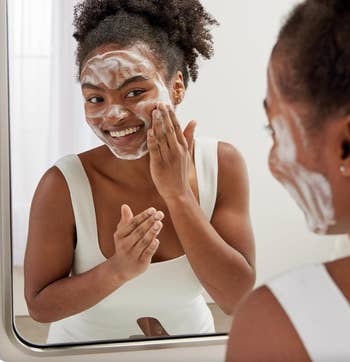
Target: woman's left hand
[{"x": 171, "y": 153}]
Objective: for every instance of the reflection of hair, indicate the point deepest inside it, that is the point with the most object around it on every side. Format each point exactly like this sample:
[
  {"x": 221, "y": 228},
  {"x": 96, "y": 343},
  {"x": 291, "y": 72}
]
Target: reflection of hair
[
  {"x": 176, "y": 30},
  {"x": 314, "y": 46}
]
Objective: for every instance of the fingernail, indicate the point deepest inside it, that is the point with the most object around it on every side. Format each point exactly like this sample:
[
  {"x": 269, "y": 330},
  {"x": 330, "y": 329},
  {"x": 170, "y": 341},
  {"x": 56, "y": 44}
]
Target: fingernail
[
  {"x": 158, "y": 215},
  {"x": 156, "y": 114},
  {"x": 157, "y": 226},
  {"x": 151, "y": 211}
]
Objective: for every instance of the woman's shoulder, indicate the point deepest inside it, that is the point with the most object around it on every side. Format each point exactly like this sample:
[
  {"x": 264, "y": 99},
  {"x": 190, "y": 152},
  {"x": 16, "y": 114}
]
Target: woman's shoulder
[
  {"x": 87, "y": 159},
  {"x": 232, "y": 171},
  {"x": 229, "y": 156},
  {"x": 263, "y": 327},
  {"x": 227, "y": 152},
  {"x": 53, "y": 186},
  {"x": 339, "y": 271},
  {"x": 52, "y": 180},
  {"x": 52, "y": 197},
  {"x": 262, "y": 330}
]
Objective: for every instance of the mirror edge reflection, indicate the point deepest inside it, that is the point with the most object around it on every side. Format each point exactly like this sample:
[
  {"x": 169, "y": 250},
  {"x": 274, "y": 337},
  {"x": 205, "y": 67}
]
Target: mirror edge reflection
[
  {"x": 7, "y": 326},
  {"x": 14, "y": 339},
  {"x": 5, "y": 214}
]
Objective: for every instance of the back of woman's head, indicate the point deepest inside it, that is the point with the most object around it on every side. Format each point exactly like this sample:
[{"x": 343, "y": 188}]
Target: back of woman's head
[
  {"x": 177, "y": 31},
  {"x": 313, "y": 52}
]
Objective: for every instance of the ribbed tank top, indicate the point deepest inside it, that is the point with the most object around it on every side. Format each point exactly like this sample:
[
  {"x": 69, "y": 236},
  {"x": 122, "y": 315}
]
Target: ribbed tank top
[
  {"x": 168, "y": 291},
  {"x": 318, "y": 310}
]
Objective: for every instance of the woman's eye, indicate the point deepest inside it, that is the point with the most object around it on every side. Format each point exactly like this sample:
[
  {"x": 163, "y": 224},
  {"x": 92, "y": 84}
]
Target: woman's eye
[
  {"x": 134, "y": 93},
  {"x": 95, "y": 100}
]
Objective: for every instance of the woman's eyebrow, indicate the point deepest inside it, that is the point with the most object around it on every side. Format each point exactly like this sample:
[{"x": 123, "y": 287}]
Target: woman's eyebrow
[
  {"x": 136, "y": 78},
  {"x": 90, "y": 86}
]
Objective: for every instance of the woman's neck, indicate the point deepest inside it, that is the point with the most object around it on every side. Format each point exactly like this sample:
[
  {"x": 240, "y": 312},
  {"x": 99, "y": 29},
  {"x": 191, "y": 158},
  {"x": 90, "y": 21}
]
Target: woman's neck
[{"x": 136, "y": 172}]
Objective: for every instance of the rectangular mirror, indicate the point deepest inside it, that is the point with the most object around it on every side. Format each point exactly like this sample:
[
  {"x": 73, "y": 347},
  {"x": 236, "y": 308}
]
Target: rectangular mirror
[
  {"x": 15, "y": 344},
  {"x": 47, "y": 122}
]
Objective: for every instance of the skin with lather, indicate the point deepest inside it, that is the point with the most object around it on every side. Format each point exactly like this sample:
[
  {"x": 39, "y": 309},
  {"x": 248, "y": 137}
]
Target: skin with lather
[{"x": 155, "y": 172}]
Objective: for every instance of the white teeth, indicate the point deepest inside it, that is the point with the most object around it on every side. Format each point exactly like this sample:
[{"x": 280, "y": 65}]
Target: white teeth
[{"x": 125, "y": 132}]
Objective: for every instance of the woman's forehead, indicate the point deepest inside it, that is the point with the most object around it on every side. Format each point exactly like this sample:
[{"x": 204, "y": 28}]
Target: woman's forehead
[
  {"x": 272, "y": 81},
  {"x": 113, "y": 67},
  {"x": 120, "y": 58},
  {"x": 277, "y": 101}
]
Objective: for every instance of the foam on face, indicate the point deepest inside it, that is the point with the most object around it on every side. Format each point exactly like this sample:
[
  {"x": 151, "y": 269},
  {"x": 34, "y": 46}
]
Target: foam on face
[
  {"x": 309, "y": 189},
  {"x": 112, "y": 69}
]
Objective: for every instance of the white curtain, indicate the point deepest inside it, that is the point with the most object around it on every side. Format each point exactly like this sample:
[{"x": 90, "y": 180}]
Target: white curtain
[
  {"x": 68, "y": 132},
  {"x": 47, "y": 118}
]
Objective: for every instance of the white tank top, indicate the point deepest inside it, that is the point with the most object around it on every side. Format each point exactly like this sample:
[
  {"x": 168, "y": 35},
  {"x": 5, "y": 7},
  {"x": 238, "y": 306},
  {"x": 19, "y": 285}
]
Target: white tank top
[
  {"x": 168, "y": 291},
  {"x": 318, "y": 310}
]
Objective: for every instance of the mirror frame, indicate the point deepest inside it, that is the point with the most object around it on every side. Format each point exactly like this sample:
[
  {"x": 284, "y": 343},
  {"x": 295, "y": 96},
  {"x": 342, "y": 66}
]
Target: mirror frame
[{"x": 11, "y": 341}]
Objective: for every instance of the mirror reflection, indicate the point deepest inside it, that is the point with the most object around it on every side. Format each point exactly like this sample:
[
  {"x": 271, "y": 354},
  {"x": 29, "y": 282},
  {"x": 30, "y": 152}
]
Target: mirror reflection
[
  {"x": 124, "y": 238},
  {"x": 77, "y": 183}
]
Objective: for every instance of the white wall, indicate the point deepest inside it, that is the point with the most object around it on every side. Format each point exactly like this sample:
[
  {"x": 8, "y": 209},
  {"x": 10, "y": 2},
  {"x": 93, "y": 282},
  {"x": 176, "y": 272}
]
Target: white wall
[{"x": 227, "y": 103}]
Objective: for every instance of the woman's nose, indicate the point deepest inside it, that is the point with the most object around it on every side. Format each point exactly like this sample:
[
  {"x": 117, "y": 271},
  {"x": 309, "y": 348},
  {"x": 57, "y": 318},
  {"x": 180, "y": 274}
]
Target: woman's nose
[{"x": 116, "y": 113}]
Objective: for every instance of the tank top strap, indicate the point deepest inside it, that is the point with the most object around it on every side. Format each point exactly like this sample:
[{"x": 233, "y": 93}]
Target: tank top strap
[
  {"x": 206, "y": 164},
  {"x": 318, "y": 310},
  {"x": 81, "y": 196}
]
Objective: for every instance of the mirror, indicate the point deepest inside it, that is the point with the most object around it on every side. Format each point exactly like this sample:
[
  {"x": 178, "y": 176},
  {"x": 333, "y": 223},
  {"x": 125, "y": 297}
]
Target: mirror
[{"x": 48, "y": 123}]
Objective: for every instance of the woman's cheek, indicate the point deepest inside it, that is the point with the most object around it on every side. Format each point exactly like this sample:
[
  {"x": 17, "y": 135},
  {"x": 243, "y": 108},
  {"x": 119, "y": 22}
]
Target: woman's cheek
[
  {"x": 272, "y": 165},
  {"x": 94, "y": 113},
  {"x": 93, "y": 121},
  {"x": 276, "y": 166},
  {"x": 143, "y": 110},
  {"x": 272, "y": 160}
]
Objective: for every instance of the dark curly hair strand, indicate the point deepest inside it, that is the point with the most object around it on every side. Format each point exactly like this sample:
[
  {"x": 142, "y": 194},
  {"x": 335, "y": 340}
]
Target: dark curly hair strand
[{"x": 177, "y": 31}]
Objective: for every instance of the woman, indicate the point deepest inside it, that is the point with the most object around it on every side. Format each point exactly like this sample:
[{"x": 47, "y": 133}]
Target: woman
[
  {"x": 304, "y": 315},
  {"x": 123, "y": 237}
]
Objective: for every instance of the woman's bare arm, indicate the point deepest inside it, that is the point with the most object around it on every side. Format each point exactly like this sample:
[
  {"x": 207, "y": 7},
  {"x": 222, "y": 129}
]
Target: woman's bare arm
[
  {"x": 222, "y": 252},
  {"x": 51, "y": 293}
]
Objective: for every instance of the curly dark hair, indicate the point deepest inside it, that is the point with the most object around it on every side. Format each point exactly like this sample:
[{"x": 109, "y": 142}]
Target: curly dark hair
[
  {"x": 177, "y": 31},
  {"x": 314, "y": 46}
]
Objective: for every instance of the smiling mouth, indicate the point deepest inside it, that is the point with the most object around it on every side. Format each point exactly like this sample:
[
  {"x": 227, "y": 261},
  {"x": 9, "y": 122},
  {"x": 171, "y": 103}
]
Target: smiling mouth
[
  {"x": 125, "y": 132},
  {"x": 124, "y": 137}
]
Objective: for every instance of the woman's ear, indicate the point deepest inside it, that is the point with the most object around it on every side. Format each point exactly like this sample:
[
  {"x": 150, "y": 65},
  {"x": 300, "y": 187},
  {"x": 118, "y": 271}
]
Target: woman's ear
[
  {"x": 178, "y": 88},
  {"x": 344, "y": 166}
]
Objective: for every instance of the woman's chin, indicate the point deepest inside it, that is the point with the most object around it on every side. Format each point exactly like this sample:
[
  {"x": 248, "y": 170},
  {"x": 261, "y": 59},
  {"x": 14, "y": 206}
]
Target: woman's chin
[
  {"x": 327, "y": 229},
  {"x": 129, "y": 156}
]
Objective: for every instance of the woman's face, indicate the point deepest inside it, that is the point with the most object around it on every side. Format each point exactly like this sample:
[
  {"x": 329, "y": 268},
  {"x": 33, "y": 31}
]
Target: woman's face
[
  {"x": 296, "y": 161},
  {"x": 121, "y": 88}
]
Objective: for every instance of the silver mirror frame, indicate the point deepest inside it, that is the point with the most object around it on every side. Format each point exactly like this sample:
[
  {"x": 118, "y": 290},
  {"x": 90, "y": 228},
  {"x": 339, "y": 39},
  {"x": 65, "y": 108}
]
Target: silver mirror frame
[{"x": 11, "y": 342}]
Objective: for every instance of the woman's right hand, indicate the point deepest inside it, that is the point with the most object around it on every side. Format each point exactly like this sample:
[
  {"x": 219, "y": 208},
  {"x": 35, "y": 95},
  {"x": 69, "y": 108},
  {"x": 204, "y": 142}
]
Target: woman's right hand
[{"x": 135, "y": 242}]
